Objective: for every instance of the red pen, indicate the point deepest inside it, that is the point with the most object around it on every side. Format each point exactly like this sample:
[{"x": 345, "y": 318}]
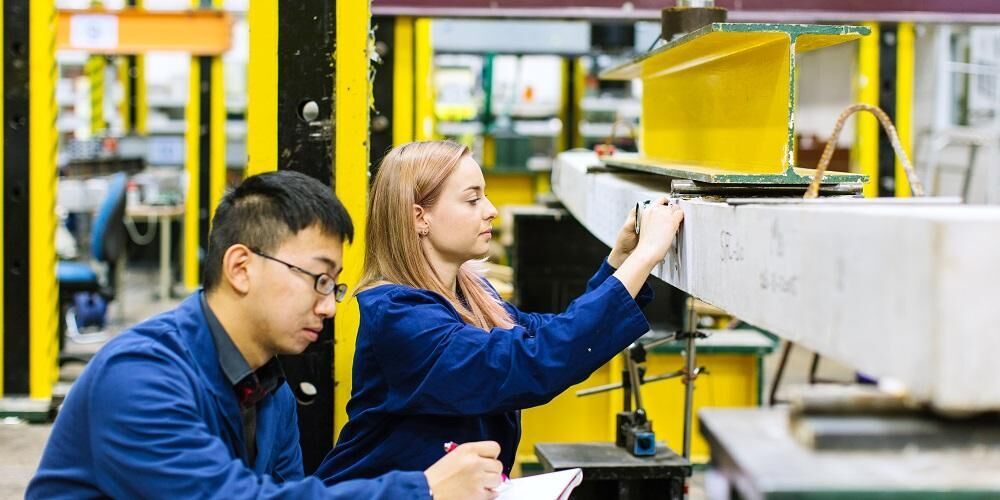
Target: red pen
[{"x": 451, "y": 445}]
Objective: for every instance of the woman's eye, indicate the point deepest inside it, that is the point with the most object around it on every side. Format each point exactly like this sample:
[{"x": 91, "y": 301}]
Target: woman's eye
[{"x": 473, "y": 202}]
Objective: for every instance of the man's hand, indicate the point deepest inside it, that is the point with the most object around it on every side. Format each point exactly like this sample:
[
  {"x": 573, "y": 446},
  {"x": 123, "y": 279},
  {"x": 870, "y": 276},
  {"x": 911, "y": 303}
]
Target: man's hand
[{"x": 470, "y": 471}]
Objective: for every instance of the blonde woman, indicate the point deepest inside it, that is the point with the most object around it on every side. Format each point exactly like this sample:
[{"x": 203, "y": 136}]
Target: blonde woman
[{"x": 439, "y": 356}]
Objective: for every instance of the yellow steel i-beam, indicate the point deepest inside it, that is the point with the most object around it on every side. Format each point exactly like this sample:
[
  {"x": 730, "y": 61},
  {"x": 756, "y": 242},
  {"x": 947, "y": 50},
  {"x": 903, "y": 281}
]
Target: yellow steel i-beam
[
  {"x": 217, "y": 160},
  {"x": 44, "y": 291},
  {"x": 134, "y": 96},
  {"x": 3, "y": 262},
  {"x": 262, "y": 88},
  {"x": 565, "y": 75},
  {"x": 402, "y": 84},
  {"x": 423, "y": 49},
  {"x": 904, "y": 101},
  {"x": 866, "y": 146},
  {"x": 94, "y": 69},
  {"x": 353, "y": 91},
  {"x": 580, "y": 88},
  {"x": 718, "y": 104},
  {"x": 192, "y": 170},
  {"x": 216, "y": 168},
  {"x": 123, "y": 107},
  {"x": 141, "y": 102}
]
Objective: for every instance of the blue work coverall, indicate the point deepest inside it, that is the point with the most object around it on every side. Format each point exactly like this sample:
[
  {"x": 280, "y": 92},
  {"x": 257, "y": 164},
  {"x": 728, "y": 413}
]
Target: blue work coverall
[
  {"x": 153, "y": 416},
  {"x": 423, "y": 377}
]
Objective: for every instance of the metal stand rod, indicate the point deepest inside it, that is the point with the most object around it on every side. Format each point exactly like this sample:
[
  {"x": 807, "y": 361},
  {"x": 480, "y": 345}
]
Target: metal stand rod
[
  {"x": 633, "y": 373},
  {"x": 692, "y": 328}
]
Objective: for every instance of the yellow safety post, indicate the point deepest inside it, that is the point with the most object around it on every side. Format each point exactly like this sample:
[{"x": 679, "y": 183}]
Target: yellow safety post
[
  {"x": 904, "y": 101},
  {"x": 866, "y": 146},
  {"x": 353, "y": 91}
]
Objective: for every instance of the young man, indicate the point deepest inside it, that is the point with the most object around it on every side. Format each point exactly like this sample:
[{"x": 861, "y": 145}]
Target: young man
[{"x": 192, "y": 403}]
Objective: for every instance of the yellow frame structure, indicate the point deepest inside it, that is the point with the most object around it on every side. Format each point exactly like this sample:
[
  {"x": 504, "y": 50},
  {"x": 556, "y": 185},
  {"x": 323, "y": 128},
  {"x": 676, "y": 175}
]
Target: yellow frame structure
[
  {"x": 353, "y": 91},
  {"x": 402, "y": 84},
  {"x": 904, "y": 101},
  {"x": 217, "y": 152},
  {"x": 719, "y": 104},
  {"x": 866, "y": 144},
  {"x": 43, "y": 289},
  {"x": 262, "y": 95}
]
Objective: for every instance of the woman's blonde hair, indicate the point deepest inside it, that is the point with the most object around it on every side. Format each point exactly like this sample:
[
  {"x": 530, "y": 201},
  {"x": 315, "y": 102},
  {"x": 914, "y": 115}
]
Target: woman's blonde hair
[{"x": 414, "y": 174}]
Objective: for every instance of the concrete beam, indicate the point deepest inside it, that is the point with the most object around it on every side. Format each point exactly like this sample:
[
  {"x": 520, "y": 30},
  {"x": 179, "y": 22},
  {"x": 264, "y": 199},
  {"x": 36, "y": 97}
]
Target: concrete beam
[{"x": 899, "y": 289}]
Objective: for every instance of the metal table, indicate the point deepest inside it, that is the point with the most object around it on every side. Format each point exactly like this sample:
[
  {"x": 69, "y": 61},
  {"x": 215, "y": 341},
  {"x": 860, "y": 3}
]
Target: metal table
[{"x": 610, "y": 472}]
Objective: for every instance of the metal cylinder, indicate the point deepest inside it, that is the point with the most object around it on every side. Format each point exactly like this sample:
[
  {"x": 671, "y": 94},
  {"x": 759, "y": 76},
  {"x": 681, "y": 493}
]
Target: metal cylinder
[
  {"x": 676, "y": 21},
  {"x": 696, "y": 3},
  {"x": 692, "y": 329}
]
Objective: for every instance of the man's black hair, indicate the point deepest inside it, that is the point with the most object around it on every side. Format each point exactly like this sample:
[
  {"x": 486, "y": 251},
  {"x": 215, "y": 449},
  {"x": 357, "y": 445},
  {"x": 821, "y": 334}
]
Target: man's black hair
[{"x": 268, "y": 208}]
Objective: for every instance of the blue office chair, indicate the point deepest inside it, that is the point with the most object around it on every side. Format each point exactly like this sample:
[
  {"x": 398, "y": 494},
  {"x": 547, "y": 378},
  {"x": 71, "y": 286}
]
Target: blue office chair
[{"x": 80, "y": 283}]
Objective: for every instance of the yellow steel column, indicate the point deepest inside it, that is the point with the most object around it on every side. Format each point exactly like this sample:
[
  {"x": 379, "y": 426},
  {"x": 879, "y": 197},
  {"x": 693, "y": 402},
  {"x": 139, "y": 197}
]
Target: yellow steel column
[
  {"x": 402, "y": 85},
  {"x": 865, "y": 151},
  {"x": 196, "y": 163},
  {"x": 94, "y": 69},
  {"x": 353, "y": 91},
  {"x": 123, "y": 106},
  {"x": 133, "y": 96},
  {"x": 44, "y": 291},
  {"x": 141, "y": 103},
  {"x": 262, "y": 88},
  {"x": 423, "y": 80},
  {"x": 217, "y": 161},
  {"x": 904, "y": 101},
  {"x": 192, "y": 169},
  {"x": 565, "y": 102},
  {"x": 580, "y": 85},
  {"x": 3, "y": 263}
]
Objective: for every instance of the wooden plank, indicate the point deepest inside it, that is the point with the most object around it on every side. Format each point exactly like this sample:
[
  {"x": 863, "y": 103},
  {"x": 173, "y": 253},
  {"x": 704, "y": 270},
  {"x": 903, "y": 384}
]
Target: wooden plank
[{"x": 817, "y": 274}]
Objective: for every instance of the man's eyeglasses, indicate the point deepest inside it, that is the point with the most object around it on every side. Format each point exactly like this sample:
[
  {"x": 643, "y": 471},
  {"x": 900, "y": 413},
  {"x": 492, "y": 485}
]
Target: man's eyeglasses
[{"x": 323, "y": 284}]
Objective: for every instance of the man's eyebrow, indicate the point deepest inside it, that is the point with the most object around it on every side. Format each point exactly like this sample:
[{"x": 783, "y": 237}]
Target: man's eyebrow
[{"x": 330, "y": 263}]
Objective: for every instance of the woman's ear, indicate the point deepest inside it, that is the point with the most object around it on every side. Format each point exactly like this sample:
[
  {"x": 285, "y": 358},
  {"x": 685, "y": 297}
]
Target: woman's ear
[
  {"x": 236, "y": 268},
  {"x": 420, "y": 223}
]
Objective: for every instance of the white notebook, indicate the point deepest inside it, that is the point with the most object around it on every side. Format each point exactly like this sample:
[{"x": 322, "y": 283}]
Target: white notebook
[{"x": 551, "y": 486}]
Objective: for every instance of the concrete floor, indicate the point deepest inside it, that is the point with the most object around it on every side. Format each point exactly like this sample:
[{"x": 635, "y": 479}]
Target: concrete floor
[{"x": 21, "y": 444}]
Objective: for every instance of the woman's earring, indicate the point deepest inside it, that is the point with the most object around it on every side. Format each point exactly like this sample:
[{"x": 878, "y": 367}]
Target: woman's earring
[{"x": 424, "y": 232}]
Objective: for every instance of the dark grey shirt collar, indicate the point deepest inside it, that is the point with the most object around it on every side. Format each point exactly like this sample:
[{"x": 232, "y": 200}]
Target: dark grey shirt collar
[{"x": 233, "y": 364}]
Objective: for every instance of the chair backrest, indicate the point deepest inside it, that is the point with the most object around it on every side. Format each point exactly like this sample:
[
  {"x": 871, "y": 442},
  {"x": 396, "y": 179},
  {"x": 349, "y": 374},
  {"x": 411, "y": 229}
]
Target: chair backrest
[{"x": 107, "y": 235}]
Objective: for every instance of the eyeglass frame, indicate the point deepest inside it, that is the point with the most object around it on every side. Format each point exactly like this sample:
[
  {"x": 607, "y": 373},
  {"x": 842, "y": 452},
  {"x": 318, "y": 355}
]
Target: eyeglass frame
[{"x": 339, "y": 290}]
